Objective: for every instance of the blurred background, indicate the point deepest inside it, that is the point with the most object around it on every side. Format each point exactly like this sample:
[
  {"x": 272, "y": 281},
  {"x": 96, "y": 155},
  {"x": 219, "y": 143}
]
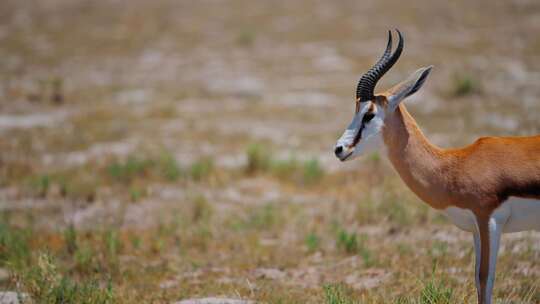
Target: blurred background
[{"x": 157, "y": 151}]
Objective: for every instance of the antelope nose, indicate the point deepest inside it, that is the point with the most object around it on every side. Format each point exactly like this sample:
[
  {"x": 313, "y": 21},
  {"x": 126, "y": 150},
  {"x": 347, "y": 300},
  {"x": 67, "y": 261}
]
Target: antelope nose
[{"x": 338, "y": 150}]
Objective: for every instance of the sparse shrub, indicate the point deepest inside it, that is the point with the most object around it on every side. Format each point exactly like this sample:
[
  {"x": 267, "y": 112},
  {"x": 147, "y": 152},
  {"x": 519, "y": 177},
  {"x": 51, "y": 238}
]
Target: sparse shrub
[
  {"x": 136, "y": 193},
  {"x": 14, "y": 248},
  {"x": 464, "y": 84},
  {"x": 68, "y": 291},
  {"x": 136, "y": 241},
  {"x": 312, "y": 171},
  {"x": 263, "y": 217},
  {"x": 112, "y": 243},
  {"x": 366, "y": 255},
  {"x": 45, "y": 285},
  {"x": 40, "y": 277},
  {"x": 201, "y": 168},
  {"x": 164, "y": 166},
  {"x": 84, "y": 259},
  {"x": 338, "y": 294},
  {"x": 350, "y": 243},
  {"x": 245, "y": 38},
  {"x": 169, "y": 167},
  {"x": 70, "y": 239},
  {"x": 202, "y": 211},
  {"x": 312, "y": 242},
  {"x": 42, "y": 184},
  {"x": 307, "y": 172},
  {"x": 435, "y": 292},
  {"x": 258, "y": 159},
  {"x": 347, "y": 242},
  {"x": 128, "y": 170}
]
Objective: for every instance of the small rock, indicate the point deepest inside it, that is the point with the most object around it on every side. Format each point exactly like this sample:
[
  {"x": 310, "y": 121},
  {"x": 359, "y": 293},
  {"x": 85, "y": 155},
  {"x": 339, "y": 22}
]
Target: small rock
[
  {"x": 214, "y": 301},
  {"x": 368, "y": 279},
  {"x": 11, "y": 297},
  {"x": 269, "y": 273},
  {"x": 168, "y": 284},
  {"x": 27, "y": 121}
]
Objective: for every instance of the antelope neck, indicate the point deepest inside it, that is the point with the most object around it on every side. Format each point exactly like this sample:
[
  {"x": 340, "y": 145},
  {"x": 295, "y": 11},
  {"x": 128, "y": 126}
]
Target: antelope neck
[{"x": 424, "y": 167}]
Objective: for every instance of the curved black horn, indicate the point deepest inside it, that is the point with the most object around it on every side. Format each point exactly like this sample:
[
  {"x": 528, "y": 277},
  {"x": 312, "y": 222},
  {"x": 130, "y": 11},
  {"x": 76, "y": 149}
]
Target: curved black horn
[{"x": 367, "y": 82}]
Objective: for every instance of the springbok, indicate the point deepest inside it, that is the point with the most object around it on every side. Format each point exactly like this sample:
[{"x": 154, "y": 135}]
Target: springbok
[{"x": 488, "y": 188}]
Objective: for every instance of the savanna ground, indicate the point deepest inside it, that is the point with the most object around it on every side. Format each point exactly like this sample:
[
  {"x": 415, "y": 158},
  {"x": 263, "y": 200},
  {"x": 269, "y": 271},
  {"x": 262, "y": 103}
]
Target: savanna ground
[{"x": 153, "y": 151}]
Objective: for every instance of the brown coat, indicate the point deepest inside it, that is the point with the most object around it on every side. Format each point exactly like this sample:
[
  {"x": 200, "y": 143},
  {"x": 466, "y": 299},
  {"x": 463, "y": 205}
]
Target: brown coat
[{"x": 478, "y": 177}]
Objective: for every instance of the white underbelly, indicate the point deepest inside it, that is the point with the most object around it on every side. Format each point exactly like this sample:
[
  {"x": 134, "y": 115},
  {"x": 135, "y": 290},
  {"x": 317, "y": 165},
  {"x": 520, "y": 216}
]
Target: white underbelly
[
  {"x": 523, "y": 214},
  {"x": 515, "y": 214},
  {"x": 464, "y": 219}
]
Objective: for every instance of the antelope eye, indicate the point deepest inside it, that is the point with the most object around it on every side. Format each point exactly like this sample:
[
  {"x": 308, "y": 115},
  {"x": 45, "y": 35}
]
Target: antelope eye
[{"x": 367, "y": 117}]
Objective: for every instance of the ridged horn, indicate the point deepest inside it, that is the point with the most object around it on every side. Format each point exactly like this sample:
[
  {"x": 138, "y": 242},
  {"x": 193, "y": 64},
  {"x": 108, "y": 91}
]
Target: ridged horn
[{"x": 368, "y": 81}]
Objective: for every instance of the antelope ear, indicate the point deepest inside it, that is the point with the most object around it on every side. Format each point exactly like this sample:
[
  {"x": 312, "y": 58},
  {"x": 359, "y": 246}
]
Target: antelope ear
[{"x": 407, "y": 87}]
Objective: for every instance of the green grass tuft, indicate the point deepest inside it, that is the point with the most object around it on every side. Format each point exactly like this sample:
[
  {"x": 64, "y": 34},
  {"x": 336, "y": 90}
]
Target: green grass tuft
[
  {"x": 464, "y": 84},
  {"x": 258, "y": 159},
  {"x": 45, "y": 285},
  {"x": 347, "y": 242},
  {"x": 338, "y": 294},
  {"x": 312, "y": 171},
  {"x": 170, "y": 169},
  {"x": 136, "y": 193},
  {"x": 14, "y": 249},
  {"x": 201, "y": 169},
  {"x": 245, "y": 38},
  {"x": 202, "y": 210},
  {"x": 435, "y": 292},
  {"x": 70, "y": 239},
  {"x": 41, "y": 184},
  {"x": 129, "y": 169},
  {"x": 312, "y": 242}
]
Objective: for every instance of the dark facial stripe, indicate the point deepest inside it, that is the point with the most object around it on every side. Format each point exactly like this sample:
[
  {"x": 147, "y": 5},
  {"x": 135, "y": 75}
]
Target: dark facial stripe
[
  {"x": 358, "y": 135},
  {"x": 368, "y": 116}
]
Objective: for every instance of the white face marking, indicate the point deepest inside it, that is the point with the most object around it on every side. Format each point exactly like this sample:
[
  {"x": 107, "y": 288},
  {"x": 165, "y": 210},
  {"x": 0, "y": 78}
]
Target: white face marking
[
  {"x": 464, "y": 219},
  {"x": 522, "y": 214},
  {"x": 370, "y": 140}
]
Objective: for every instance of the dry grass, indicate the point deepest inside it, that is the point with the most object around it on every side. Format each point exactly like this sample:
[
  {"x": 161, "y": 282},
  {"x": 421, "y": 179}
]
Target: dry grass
[{"x": 160, "y": 150}]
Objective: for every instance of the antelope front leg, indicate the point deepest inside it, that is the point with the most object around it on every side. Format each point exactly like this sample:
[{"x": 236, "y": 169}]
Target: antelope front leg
[{"x": 486, "y": 243}]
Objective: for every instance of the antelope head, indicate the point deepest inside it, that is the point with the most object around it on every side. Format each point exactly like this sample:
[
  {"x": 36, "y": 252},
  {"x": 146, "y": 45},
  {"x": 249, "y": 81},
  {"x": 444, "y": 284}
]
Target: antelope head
[{"x": 364, "y": 133}]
